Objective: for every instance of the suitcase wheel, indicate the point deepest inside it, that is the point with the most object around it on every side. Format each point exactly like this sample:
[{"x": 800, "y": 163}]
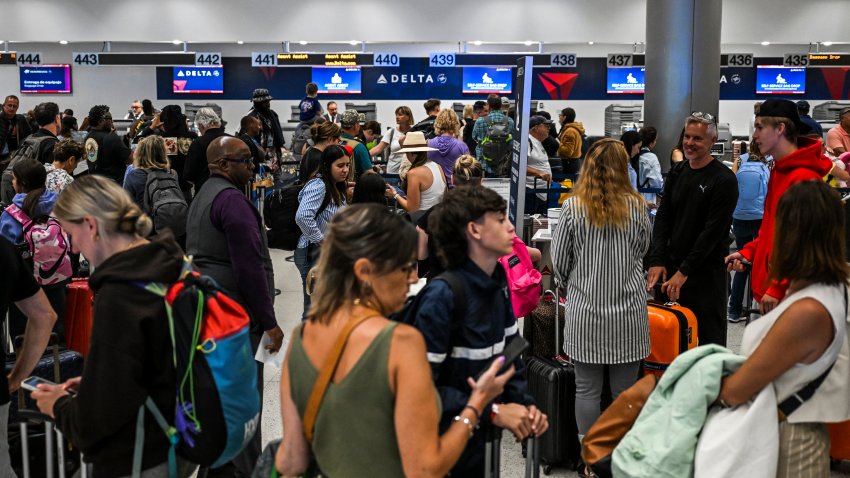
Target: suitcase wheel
[{"x": 547, "y": 469}]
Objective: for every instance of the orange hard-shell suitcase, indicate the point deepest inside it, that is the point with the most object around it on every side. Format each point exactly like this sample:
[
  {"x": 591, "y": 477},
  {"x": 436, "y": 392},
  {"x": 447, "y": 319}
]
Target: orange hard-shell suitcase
[
  {"x": 672, "y": 330},
  {"x": 839, "y": 440},
  {"x": 78, "y": 316}
]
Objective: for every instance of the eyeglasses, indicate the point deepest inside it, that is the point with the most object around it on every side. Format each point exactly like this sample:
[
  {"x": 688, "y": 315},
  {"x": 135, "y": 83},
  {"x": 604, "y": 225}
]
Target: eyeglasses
[
  {"x": 707, "y": 117},
  {"x": 246, "y": 162},
  {"x": 410, "y": 267},
  {"x": 137, "y": 107}
]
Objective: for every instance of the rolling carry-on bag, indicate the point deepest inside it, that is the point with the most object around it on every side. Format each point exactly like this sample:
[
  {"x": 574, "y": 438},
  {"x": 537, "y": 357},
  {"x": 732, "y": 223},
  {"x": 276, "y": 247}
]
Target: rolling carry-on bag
[
  {"x": 493, "y": 455},
  {"x": 839, "y": 440},
  {"x": 672, "y": 331},
  {"x": 57, "y": 365},
  {"x": 552, "y": 383},
  {"x": 539, "y": 327},
  {"x": 78, "y": 316}
]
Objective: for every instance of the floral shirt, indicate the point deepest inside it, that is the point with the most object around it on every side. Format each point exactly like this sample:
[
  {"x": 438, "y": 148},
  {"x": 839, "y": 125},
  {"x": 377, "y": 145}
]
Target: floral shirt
[{"x": 57, "y": 179}]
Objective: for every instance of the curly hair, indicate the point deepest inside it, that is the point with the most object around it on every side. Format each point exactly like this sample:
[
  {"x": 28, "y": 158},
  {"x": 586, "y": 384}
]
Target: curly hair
[
  {"x": 446, "y": 122},
  {"x": 603, "y": 187},
  {"x": 97, "y": 114},
  {"x": 68, "y": 148}
]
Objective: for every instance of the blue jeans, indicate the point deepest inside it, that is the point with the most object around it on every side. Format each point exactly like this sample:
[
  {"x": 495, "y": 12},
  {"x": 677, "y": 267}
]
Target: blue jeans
[
  {"x": 745, "y": 231},
  {"x": 304, "y": 264}
]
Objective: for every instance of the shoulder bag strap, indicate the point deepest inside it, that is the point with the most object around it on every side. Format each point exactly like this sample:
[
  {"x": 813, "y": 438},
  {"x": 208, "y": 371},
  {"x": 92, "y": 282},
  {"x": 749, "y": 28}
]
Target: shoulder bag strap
[
  {"x": 19, "y": 215},
  {"x": 328, "y": 370},
  {"x": 792, "y": 403}
]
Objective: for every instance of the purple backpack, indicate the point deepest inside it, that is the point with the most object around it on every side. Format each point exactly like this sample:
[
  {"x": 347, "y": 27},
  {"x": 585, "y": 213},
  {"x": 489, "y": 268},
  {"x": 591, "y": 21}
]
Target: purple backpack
[{"x": 44, "y": 244}]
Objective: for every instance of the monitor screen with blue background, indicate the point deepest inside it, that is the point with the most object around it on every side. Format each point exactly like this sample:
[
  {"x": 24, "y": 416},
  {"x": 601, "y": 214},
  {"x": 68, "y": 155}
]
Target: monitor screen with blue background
[
  {"x": 198, "y": 79},
  {"x": 338, "y": 80},
  {"x": 626, "y": 80},
  {"x": 780, "y": 80},
  {"x": 487, "y": 80},
  {"x": 45, "y": 79}
]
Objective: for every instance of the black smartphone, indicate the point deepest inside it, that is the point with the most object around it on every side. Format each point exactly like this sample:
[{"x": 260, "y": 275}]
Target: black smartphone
[{"x": 512, "y": 352}]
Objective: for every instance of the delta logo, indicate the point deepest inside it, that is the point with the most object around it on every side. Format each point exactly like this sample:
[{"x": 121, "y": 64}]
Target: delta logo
[
  {"x": 558, "y": 85},
  {"x": 198, "y": 73}
]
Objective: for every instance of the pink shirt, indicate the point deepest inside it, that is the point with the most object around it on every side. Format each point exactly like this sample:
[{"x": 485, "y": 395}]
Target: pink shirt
[{"x": 837, "y": 138}]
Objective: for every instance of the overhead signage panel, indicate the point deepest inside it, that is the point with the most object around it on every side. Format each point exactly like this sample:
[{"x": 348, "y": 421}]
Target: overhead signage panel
[{"x": 325, "y": 59}]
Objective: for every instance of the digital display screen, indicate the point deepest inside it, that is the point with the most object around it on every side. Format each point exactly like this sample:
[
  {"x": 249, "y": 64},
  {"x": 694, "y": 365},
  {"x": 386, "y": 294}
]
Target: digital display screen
[
  {"x": 628, "y": 80},
  {"x": 487, "y": 80},
  {"x": 46, "y": 79},
  {"x": 780, "y": 80},
  {"x": 198, "y": 79},
  {"x": 337, "y": 80}
]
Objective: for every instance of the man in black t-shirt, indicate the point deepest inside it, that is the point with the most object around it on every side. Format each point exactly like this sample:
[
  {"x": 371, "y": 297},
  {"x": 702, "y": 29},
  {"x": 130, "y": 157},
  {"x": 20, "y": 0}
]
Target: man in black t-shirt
[
  {"x": 690, "y": 239},
  {"x": 106, "y": 153},
  {"x": 18, "y": 286}
]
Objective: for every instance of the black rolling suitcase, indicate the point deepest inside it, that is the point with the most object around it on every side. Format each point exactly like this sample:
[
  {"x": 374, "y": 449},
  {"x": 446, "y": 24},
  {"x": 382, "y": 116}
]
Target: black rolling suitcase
[
  {"x": 552, "y": 383},
  {"x": 493, "y": 451}
]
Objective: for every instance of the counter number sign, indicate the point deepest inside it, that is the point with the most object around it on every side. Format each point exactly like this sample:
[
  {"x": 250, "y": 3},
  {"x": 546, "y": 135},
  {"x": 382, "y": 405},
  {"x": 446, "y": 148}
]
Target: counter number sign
[
  {"x": 620, "y": 59},
  {"x": 25, "y": 58},
  {"x": 740, "y": 59},
  {"x": 263, "y": 58},
  {"x": 568, "y": 60},
  {"x": 441, "y": 59},
  {"x": 796, "y": 59},
  {"x": 86, "y": 59},
  {"x": 208, "y": 59},
  {"x": 386, "y": 59}
]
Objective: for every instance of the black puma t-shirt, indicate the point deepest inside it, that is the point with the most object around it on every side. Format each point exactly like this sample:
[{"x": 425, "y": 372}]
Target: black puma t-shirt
[{"x": 16, "y": 283}]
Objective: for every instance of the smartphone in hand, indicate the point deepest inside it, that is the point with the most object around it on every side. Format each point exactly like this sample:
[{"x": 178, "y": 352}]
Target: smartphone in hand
[
  {"x": 512, "y": 352},
  {"x": 32, "y": 383}
]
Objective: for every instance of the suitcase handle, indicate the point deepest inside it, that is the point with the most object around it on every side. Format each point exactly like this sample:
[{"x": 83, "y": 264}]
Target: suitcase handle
[{"x": 34, "y": 416}]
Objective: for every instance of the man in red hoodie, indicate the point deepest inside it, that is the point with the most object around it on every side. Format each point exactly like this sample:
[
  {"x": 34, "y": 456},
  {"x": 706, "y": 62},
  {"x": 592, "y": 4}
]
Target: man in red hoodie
[{"x": 779, "y": 133}]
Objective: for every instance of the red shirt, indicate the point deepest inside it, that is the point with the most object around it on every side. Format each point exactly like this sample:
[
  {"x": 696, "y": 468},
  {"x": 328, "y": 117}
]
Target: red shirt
[{"x": 808, "y": 162}]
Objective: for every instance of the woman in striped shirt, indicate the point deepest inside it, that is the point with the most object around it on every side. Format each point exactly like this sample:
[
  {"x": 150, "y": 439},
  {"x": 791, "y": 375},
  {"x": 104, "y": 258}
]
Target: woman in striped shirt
[
  {"x": 323, "y": 195},
  {"x": 597, "y": 251}
]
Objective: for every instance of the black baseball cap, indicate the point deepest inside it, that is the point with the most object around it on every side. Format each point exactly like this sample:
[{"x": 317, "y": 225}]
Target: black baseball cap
[
  {"x": 538, "y": 120},
  {"x": 784, "y": 109}
]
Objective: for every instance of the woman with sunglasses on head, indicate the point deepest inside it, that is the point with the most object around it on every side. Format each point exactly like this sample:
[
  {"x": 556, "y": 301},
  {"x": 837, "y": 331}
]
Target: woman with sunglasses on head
[
  {"x": 425, "y": 182},
  {"x": 324, "y": 194},
  {"x": 379, "y": 415}
]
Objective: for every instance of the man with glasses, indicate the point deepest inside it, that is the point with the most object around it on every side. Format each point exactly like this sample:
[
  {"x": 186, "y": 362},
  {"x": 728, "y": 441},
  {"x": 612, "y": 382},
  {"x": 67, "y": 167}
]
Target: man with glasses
[
  {"x": 571, "y": 139},
  {"x": 135, "y": 111},
  {"x": 691, "y": 235},
  {"x": 225, "y": 234},
  {"x": 14, "y": 128}
]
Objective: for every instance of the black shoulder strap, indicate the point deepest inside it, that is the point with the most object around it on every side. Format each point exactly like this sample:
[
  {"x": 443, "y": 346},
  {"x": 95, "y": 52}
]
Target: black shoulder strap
[
  {"x": 458, "y": 294},
  {"x": 792, "y": 403},
  {"x": 326, "y": 201}
]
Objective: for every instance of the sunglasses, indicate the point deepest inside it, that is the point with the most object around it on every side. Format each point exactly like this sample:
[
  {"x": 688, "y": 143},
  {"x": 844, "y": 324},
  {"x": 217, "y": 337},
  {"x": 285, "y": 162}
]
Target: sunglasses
[{"x": 704, "y": 116}]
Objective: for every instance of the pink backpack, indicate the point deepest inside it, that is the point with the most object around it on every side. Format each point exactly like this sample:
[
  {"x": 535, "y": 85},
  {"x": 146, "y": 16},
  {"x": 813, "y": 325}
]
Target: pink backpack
[
  {"x": 523, "y": 279},
  {"x": 46, "y": 245}
]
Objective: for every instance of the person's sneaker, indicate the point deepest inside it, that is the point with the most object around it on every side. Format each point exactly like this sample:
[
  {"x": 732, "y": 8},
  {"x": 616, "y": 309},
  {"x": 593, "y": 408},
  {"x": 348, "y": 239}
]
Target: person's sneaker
[{"x": 735, "y": 318}]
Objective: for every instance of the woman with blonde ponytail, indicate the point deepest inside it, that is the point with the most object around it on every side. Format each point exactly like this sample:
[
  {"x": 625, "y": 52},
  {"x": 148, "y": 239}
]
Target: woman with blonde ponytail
[
  {"x": 597, "y": 251},
  {"x": 130, "y": 357}
]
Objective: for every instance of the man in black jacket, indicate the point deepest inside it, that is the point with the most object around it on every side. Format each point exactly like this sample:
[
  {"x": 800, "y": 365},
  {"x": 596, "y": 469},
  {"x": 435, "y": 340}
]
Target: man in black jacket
[
  {"x": 209, "y": 125},
  {"x": 13, "y": 129},
  {"x": 106, "y": 152},
  {"x": 432, "y": 109},
  {"x": 690, "y": 239},
  {"x": 271, "y": 135}
]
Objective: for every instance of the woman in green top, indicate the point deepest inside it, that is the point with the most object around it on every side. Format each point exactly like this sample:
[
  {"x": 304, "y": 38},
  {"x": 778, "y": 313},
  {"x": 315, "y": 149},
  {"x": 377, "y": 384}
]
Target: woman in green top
[{"x": 380, "y": 413}]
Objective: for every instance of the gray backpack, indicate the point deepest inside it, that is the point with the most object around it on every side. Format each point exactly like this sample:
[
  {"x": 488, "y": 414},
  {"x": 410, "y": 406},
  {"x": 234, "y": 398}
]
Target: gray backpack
[
  {"x": 27, "y": 150},
  {"x": 165, "y": 203},
  {"x": 299, "y": 138}
]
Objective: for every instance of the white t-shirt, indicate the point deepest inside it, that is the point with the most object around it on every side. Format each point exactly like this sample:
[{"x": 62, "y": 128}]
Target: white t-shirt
[
  {"x": 539, "y": 160},
  {"x": 391, "y": 138}
]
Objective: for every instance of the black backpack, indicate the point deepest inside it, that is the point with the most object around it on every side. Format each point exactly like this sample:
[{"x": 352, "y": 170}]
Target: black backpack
[
  {"x": 585, "y": 143},
  {"x": 279, "y": 211},
  {"x": 407, "y": 314},
  {"x": 299, "y": 139},
  {"x": 496, "y": 147},
  {"x": 28, "y": 149},
  {"x": 165, "y": 203}
]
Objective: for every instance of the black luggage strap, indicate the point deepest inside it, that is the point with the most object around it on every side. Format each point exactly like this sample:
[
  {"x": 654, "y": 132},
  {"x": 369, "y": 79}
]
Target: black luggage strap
[{"x": 792, "y": 403}]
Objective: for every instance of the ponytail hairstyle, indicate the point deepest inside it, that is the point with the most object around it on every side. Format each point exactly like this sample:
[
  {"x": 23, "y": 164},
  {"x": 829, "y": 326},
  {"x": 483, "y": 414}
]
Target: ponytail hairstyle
[
  {"x": 31, "y": 176},
  {"x": 107, "y": 202},
  {"x": 324, "y": 131}
]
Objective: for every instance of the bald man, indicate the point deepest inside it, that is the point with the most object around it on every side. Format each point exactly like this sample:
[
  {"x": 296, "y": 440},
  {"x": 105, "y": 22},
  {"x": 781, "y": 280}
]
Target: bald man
[{"x": 225, "y": 235}]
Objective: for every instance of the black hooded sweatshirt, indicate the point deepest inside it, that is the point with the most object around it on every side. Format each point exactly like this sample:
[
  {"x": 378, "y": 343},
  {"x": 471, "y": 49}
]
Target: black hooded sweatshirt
[{"x": 130, "y": 358}]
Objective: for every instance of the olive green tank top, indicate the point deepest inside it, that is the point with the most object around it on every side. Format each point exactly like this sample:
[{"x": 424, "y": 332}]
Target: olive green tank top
[{"x": 355, "y": 430}]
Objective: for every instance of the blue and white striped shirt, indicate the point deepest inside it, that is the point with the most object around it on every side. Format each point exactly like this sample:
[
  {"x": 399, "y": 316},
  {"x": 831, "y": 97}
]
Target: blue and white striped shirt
[{"x": 309, "y": 201}]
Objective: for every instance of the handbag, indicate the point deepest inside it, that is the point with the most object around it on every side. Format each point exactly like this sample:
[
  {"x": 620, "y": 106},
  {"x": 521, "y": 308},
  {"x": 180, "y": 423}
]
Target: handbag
[{"x": 599, "y": 442}]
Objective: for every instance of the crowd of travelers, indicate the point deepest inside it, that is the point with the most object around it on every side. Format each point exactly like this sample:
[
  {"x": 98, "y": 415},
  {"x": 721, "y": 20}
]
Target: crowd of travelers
[{"x": 374, "y": 383}]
